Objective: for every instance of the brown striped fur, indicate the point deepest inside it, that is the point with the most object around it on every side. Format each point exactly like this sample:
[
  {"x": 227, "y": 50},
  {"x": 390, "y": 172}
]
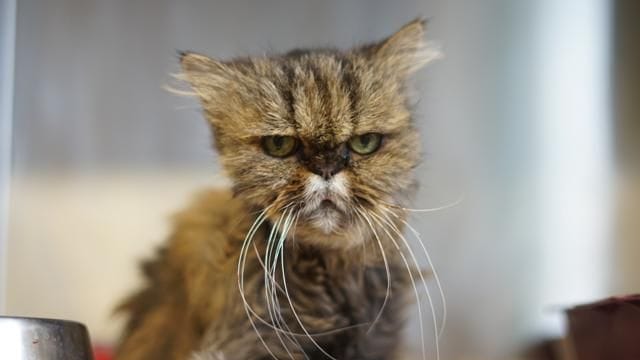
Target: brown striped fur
[{"x": 191, "y": 306}]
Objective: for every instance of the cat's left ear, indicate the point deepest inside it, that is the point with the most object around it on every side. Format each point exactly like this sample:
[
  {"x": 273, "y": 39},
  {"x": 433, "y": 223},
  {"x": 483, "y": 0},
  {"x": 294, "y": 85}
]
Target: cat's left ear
[
  {"x": 405, "y": 51},
  {"x": 208, "y": 77}
]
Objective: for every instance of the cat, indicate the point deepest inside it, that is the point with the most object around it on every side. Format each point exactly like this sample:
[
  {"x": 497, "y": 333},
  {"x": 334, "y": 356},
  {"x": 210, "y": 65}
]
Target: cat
[{"x": 303, "y": 257}]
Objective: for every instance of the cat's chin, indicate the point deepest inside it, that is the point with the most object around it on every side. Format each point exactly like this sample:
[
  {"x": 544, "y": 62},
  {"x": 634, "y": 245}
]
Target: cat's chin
[
  {"x": 329, "y": 229},
  {"x": 327, "y": 219}
]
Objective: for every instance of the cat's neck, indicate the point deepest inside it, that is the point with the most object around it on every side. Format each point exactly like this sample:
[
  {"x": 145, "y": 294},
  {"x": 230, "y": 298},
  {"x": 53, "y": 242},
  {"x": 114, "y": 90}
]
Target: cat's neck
[{"x": 340, "y": 251}]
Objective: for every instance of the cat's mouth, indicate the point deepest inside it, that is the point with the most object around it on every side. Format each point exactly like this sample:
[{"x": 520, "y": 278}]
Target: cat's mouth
[
  {"x": 324, "y": 213},
  {"x": 324, "y": 209},
  {"x": 327, "y": 204}
]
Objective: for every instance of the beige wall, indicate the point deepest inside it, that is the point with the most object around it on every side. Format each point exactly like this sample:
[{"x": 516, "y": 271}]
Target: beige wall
[{"x": 77, "y": 240}]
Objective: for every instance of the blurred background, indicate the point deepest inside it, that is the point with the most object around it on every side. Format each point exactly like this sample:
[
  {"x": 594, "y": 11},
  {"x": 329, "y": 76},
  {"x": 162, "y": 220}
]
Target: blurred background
[{"x": 533, "y": 115}]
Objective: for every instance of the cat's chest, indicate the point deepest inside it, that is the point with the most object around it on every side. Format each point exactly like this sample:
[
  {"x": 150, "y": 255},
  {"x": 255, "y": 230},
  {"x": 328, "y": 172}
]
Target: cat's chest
[{"x": 305, "y": 294}]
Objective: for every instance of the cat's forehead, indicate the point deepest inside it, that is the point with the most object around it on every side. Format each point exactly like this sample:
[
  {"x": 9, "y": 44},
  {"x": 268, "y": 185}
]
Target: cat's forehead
[
  {"x": 324, "y": 96},
  {"x": 319, "y": 94}
]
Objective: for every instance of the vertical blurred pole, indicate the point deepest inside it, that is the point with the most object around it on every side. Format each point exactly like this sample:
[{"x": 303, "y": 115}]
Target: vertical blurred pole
[
  {"x": 627, "y": 115},
  {"x": 572, "y": 97},
  {"x": 627, "y": 85},
  {"x": 7, "y": 52}
]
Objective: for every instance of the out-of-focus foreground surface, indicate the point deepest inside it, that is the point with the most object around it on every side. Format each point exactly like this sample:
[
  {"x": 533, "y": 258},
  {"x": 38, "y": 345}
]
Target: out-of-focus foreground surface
[{"x": 532, "y": 115}]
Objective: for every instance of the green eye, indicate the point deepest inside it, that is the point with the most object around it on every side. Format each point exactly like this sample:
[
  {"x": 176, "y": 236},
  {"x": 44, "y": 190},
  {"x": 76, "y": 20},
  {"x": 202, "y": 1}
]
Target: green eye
[
  {"x": 365, "y": 144},
  {"x": 279, "y": 146}
]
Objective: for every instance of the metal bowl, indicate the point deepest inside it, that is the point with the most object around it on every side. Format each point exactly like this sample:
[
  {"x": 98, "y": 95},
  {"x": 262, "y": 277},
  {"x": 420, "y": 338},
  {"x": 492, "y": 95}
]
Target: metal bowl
[{"x": 43, "y": 339}]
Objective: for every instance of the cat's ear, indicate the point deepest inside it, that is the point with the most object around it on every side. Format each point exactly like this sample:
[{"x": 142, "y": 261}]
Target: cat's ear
[
  {"x": 207, "y": 76},
  {"x": 405, "y": 51}
]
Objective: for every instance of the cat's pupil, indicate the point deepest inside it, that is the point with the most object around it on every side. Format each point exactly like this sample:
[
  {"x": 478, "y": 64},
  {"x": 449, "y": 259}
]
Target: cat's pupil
[
  {"x": 278, "y": 141},
  {"x": 364, "y": 140}
]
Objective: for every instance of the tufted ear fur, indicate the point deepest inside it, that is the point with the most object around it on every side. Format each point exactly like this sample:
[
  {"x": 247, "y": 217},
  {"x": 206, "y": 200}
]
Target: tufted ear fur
[
  {"x": 208, "y": 77},
  {"x": 405, "y": 51}
]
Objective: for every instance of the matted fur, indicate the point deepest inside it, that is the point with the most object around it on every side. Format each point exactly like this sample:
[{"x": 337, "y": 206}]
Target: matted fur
[{"x": 333, "y": 258}]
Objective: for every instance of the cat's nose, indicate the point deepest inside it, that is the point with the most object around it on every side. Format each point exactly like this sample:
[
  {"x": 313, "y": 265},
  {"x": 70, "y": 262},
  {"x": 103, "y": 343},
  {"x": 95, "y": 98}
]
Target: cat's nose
[
  {"x": 327, "y": 170},
  {"x": 329, "y": 163}
]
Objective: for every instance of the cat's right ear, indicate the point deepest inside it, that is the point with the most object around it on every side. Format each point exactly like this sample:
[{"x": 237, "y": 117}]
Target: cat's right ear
[
  {"x": 405, "y": 51},
  {"x": 207, "y": 76}
]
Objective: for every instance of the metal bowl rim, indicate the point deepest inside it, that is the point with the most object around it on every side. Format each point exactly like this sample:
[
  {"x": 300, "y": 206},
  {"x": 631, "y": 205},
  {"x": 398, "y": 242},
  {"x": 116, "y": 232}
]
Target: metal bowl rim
[{"x": 42, "y": 320}]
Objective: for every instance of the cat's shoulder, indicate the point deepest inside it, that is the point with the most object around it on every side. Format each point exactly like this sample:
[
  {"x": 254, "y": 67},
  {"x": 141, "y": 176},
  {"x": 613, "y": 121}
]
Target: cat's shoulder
[
  {"x": 206, "y": 237},
  {"x": 213, "y": 209}
]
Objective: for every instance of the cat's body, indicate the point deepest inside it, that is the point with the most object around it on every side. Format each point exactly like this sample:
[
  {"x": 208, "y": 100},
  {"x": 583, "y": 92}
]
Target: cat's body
[
  {"x": 304, "y": 257},
  {"x": 192, "y": 304}
]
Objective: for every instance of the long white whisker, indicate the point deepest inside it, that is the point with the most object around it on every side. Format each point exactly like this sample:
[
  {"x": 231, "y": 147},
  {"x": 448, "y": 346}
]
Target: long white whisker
[
  {"x": 277, "y": 310},
  {"x": 457, "y": 202},
  {"x": 280, "y": 255},
  {"x": 241, "y": 264},
  {"x": 295, "y": 313},
  {"x": 413, "y": 283},
  {"x": 268, "y": 251},
  {"x": 433, "y": 269},
  {"x": 386, "y": 268},
  {"x": 424, "y": 282},
  {"x": 268, "y": 281},
  {"x": 363, "y": 243}
]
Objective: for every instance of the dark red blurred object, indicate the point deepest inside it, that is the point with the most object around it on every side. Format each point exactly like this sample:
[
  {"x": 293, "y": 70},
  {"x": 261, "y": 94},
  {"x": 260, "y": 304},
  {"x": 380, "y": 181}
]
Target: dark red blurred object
[{"x": 606, "y": 330}]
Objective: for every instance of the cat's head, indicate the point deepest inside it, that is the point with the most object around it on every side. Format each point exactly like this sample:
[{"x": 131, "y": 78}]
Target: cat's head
[{"x": 324, "y": 137}]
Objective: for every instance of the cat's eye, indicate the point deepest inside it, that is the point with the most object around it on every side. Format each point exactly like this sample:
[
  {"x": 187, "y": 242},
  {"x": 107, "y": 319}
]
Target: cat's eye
[
  {"x": 365, "y": 144},
  {"x": 279, "y": 146}
]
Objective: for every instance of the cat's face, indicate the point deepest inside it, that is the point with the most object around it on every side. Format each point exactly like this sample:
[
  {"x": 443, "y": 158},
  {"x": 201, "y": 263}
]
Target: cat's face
[{"x": 322, "y": 137}]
